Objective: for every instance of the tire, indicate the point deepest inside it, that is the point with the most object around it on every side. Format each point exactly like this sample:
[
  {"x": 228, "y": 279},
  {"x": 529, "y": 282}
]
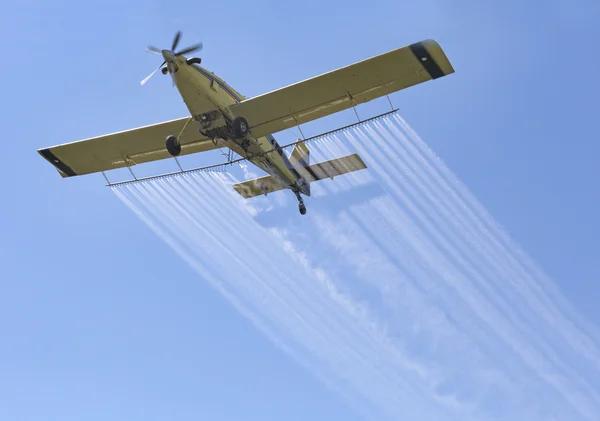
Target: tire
[
  {"x": 240, "y": 127},
  {"x": 302, "y": 208},
  {"x": 173, "y": 145}
]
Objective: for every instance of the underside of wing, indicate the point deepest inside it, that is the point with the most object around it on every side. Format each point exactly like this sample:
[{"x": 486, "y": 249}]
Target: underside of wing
[
  {"x": 126, "y": 148},
  {"x": 343, "y": 88}
]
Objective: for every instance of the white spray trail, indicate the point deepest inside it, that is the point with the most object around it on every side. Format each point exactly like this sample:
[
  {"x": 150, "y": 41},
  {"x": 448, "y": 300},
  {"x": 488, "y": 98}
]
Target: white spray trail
[{"x": 397, "y": 289}]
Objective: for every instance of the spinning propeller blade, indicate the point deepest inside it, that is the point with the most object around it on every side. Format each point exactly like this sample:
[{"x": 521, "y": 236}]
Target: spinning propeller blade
[
  {"x": 190, "y": 49},
  {"x": 143, "y": 82},
  {"x": 176, "y": 40},
  {"x": 154, "y": 50}
]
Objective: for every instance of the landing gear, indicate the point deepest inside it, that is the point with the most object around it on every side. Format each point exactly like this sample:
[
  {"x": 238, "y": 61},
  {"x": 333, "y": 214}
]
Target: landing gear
[
  {"x": 214, "y": 124},
  {"x": 302, "y": 208},
  {"x": 239, "y": 126},
  {"x": 301, "y": 205},
  {"x": 173, "y": 145}
]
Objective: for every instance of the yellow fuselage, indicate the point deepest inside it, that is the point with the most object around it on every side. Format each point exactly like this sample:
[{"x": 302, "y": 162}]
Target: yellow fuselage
[{"x": 203, "y": 91}]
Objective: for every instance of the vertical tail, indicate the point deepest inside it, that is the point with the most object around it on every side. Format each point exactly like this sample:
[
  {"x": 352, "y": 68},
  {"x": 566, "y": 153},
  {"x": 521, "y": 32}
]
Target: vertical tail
[
  {"x": 300, "y": 156},
  {"x": 300, "y": 160}
]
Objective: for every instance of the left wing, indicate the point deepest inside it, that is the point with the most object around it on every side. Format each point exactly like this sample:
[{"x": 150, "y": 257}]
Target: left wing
[
  {"x": 343, "y": 88},
  {"x": 125, "y": 148}
]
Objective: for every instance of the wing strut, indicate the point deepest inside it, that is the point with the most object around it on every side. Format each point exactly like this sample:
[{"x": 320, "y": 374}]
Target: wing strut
[
  {"x": 297, "y": 124},
  {"x": 105, "y": 177}
]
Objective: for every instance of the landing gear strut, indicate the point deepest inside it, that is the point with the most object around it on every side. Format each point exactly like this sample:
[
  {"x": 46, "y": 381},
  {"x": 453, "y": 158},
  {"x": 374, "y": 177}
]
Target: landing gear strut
[{"x": 173, "y": 145}]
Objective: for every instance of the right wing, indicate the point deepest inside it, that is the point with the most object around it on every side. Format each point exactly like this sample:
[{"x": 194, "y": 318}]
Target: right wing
[
  {"x": 343, "y": 88},
  {"x": 125, "y": 148}
]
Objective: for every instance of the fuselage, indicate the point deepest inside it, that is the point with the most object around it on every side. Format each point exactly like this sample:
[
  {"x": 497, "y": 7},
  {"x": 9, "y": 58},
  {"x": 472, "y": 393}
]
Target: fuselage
[{"x": 203, "y": 91}]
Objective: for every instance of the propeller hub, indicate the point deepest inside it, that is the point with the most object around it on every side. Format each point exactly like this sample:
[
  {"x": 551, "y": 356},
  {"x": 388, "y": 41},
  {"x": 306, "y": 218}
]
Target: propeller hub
[{"x": 169, "y": 56}]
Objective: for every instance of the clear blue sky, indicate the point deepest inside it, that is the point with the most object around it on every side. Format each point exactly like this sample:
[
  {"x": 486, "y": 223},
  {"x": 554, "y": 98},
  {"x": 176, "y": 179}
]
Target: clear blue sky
[{"x": 99, "y": 319}]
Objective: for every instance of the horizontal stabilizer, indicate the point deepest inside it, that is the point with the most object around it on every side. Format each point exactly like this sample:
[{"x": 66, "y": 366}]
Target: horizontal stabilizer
[
  {"x": 258, "y": 186},
  {"x": 332, "y": 168},
  {"x": 319, "y": 171}
]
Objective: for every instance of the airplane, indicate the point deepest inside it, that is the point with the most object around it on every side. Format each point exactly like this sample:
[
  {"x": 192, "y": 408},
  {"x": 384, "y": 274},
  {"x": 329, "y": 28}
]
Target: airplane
[{"x": 222, "y": 117}]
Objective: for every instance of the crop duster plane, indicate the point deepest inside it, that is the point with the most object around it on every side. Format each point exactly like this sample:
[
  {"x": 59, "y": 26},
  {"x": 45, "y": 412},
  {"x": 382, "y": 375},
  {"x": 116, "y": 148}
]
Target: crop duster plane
[{"x": 221, "y": 117}]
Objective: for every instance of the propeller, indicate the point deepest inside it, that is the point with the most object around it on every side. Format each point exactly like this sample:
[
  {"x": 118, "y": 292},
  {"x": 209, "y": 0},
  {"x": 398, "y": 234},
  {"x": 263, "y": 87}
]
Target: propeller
[{"x": 154, "y": 50}]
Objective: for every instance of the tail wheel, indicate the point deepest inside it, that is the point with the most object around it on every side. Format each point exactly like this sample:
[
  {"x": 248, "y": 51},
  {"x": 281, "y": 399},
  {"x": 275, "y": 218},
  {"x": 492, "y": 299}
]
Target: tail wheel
[
  {"x": 173, "y": 145},
  {"x": 302, "y": 208},
  {"x": 240, "y": 127}
]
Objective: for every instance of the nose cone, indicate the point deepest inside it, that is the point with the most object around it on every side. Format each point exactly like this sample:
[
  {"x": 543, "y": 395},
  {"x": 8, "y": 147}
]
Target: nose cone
[{"x": 168, "y": 55}]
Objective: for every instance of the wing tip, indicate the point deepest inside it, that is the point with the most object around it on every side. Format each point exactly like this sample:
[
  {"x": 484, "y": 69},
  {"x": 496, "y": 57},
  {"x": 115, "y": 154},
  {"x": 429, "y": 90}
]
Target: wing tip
[
  {"x": 360, "y": 161},
  {"x": 431, "y": 49},
  {"x": 432, "y": 58},
  {"x": 63, "y": 169}
]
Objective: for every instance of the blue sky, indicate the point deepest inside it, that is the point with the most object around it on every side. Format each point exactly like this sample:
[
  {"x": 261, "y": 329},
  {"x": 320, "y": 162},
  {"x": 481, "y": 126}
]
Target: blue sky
[{"x": 99, "y": 318}]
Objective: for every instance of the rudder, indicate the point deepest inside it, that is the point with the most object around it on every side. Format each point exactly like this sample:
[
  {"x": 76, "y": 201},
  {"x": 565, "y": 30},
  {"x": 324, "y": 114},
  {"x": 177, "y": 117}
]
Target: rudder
[
  {"x": 300, "y": 159},
  {"x": 300, "y": 156}
]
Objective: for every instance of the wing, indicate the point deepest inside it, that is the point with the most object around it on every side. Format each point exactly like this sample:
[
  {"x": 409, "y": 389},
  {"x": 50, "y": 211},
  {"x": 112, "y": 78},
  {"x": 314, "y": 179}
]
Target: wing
[
  {"x": 343, "y": 88},
  {"x": 125, "y": 148}
]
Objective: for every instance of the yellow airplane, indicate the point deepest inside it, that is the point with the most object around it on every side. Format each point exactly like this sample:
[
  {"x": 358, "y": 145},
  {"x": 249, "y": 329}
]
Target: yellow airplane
[{"x": 221, "y": 117}]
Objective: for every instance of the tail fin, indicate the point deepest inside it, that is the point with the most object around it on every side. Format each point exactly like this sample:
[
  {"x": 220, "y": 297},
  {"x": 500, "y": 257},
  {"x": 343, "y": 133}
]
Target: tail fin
[
  {"x": 300, "y": 156},
  {"x": 300, "y": 160}
]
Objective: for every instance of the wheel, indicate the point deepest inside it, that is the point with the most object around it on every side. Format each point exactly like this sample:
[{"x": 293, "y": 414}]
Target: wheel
[
  {"x": 173, "y": 145},
  {"x": 302, "y": 208},
  {"x": 240, "y": 127}
]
